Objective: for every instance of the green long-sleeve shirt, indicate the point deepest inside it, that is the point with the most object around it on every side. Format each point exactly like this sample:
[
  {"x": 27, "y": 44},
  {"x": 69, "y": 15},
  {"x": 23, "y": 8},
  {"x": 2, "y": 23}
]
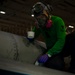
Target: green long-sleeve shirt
[{"x": 54, "y": 36}]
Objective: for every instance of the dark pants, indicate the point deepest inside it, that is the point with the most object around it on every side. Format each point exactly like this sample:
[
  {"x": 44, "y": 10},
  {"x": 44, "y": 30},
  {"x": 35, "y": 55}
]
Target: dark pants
[
  {"x": 69, "y": 50},
  {"x": 55, "y": 62}
]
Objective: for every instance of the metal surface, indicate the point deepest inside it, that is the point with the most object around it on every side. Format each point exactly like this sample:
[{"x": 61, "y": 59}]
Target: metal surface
[
  {"x": 30, "y": 69},
  {"x": 17, "y": 48}
]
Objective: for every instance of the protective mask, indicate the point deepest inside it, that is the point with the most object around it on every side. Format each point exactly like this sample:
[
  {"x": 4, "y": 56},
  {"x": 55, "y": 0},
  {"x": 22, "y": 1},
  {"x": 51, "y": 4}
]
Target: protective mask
[
  {"x": 49, "y": 24},
  {"x": 41, "y": 22}
]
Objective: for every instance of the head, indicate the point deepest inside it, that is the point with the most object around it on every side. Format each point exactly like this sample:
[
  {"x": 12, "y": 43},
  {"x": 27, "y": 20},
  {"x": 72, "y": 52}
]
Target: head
[
  {"x": 42, "y": 20},
  {"x": 69, "y": 30},
  {"x": 41, "y": 13}
]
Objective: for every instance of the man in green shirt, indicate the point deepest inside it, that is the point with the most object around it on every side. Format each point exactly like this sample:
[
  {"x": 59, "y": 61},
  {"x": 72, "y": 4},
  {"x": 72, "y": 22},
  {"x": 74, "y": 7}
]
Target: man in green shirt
[{"x": 53, "y": 31}]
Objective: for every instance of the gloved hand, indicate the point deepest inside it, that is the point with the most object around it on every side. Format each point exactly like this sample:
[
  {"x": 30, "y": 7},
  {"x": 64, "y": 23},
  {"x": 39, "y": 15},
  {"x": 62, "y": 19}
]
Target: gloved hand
[{"x": 43, "y": 58}]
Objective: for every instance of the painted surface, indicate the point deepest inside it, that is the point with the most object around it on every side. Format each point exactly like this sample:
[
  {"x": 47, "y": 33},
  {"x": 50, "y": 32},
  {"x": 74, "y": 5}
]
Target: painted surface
[{"x": 17, "y": 48}]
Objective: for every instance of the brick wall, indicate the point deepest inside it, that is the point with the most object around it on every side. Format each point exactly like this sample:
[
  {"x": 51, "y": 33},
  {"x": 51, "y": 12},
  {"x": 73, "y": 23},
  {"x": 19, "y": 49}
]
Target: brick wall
[{"x": 20, "y": 29}]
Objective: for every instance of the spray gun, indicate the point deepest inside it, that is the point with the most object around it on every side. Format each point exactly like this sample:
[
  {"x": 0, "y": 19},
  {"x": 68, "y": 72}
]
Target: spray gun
[{"x": 30, "y": 36}]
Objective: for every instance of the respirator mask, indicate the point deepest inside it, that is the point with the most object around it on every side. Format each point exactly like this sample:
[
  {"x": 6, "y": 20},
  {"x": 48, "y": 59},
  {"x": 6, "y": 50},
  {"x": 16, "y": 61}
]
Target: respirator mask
[{"x": 39, "y": 12}]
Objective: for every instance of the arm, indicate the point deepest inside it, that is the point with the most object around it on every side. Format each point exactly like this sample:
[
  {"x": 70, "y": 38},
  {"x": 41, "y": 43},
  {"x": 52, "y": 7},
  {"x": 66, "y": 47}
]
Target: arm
[
  {"x": 61, "y": 34},
  {"x": 37, "y": 32}
]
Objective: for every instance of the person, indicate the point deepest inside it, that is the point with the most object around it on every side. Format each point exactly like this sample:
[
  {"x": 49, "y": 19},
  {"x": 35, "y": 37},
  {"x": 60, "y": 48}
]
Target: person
[
  {"x": 69, "y": 49},
  {"x": 53, "y": 31}
]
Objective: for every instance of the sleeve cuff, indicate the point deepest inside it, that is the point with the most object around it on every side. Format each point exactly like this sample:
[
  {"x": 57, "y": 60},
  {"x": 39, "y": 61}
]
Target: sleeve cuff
[{"x": 49, "y": 55}]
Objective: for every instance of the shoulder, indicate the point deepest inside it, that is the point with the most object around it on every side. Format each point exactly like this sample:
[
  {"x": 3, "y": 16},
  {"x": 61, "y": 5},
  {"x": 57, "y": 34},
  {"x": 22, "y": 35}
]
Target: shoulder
[
  {"x": 56, "y": 17},
  {"x": 57, "y": 20}
]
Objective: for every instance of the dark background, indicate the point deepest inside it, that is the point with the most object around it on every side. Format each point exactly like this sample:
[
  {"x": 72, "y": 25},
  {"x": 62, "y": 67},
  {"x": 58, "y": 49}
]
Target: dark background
[{"x": 18, "y": 18}]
